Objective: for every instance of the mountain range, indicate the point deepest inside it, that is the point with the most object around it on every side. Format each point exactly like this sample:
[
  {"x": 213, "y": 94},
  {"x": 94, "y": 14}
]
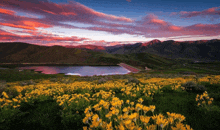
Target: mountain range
[
  {"x": 196, "y": 50},
  {"x": 153, "y": 54}
]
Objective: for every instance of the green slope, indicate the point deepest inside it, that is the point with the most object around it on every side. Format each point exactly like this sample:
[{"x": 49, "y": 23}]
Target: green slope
[{"x": 28, "y": 53}]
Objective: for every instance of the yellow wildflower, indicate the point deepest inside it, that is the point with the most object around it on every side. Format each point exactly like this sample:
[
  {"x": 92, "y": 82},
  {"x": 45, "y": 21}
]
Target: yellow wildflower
[
  {"x": 140, "y": 100},
  {"x": 5, "y": 94},
  {"x": 84, "y": 127},
  {"x": 109, "y": 115},
  {"x": 170, "y": 120},
  {"x": 8, "y": 101},
  {"x": 61, "y": 103},
  {"x": 138, "y": 107},
  {"x": 151, "y": 127},
  {"x": 109, "y": 126},
  {"x": 152, "y": 108},
  {"x": 15, "y": 100},
  {"x": 127, "y": 122},
  {"x": 146, "y": 109},
  {"x": 125, "y": 110},
  {"x": 144, "y": 119}
]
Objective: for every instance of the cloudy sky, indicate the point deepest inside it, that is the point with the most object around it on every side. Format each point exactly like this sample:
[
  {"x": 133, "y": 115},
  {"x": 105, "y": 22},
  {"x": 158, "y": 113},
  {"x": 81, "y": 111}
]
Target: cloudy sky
[{"x": 107, "y": 22}]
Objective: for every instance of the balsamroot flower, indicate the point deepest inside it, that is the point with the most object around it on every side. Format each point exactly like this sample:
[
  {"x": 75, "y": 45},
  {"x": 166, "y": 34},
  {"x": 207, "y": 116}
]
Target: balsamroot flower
[
  {"x": 140, "y": 100},
  {"x": 5, "y": 94}
]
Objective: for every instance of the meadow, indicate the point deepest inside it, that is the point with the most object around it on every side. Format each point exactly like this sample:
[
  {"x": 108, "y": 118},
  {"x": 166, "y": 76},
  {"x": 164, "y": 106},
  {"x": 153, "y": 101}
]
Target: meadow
[{"x": 133, "y": 101}]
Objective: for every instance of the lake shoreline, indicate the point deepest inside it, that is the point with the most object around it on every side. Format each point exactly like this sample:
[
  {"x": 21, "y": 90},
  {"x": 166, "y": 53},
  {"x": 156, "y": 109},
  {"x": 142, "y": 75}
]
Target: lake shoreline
[
  {"x": 76, "y": 70},
  {"x": 15, "y": 65}
]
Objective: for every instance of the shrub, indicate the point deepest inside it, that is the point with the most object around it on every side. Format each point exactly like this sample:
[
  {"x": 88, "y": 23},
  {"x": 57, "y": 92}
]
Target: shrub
[
  {"x": 167, "y": 88},
  {"x": 3, "y": 85},
  {"x": 192, "y": 86},
  {"x": 101, "y": 81},
  {"x": 31, "y": 82},
  {"x": 132, "y": 80},
  {"x": 23, "y": 83},
  {"x": 108, "y": 78},
  {"x": 65, "y": 80},
  {"x": 200, "y": 88},
  {"x": 53, "y": 79}
]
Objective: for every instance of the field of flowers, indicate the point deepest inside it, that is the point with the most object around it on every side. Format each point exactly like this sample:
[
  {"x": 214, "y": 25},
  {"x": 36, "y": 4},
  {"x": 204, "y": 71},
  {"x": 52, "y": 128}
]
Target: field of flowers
[{"x": 142, "y": 102}]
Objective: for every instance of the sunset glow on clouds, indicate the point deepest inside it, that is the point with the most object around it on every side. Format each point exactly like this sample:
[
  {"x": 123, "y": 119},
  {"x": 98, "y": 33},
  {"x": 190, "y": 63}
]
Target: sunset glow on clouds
[{"x": 74, "y": 23}]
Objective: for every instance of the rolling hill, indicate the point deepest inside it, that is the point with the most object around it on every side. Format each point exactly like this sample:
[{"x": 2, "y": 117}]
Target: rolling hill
[
  {"x": 195, "y": 50},
  {"x": 18, "y": 53},
  {"x": 205, "y": 50},
  {"x": 154, "y": 54}
]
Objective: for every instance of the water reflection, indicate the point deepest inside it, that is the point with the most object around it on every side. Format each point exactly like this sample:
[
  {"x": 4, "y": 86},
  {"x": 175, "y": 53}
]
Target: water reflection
[{"x": 79, "y": 70}]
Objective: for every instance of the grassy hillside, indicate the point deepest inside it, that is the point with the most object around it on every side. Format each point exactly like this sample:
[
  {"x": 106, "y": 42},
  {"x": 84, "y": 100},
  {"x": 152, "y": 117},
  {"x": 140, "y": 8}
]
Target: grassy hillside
[
  {"x": 146, "y": 60},
  {"x": 27, "y": 53},
  {"x": 195, "y": 50}
]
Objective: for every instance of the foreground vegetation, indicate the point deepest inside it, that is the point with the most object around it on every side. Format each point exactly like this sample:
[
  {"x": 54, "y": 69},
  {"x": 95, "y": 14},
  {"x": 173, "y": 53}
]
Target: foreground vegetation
[{"x": 134, "y": 101}]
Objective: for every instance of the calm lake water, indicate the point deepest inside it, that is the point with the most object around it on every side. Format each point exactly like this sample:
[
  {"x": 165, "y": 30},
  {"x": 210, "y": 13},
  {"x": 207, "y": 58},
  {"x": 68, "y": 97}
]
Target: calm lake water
[{"x": 79, "y": 70}]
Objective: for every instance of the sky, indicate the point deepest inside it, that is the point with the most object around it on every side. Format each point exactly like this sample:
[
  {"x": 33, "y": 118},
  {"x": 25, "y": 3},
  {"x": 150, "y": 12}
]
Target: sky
[{"x": 107, "y": 22}]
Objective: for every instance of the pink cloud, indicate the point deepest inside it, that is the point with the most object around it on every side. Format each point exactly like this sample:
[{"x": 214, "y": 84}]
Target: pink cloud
[
  {"x": 114, "y": 43},
  {"x": 46, "y": 37},
  {"x": 36, "y": 24},
  {"x": 47, "y": 11},
  {"x": 4, "y": 33},
  {"x": 67, "y": 13},
  {"x": 73, "y": 38},
  {"x": 17, "y": 26},
  {"x": 95, "y": 42},
  {"x": 208, "y": 12},
  {"x": 152, "y": 19},
  {"x": 111, "y": 30},
  {"x": 210, "y": 29},
  {"x": 30, "y": 25},
  {"x": 158, "y": 21},
  {"x": 152, "y": 26},
  {"x": 72, "y": 8},
  {"x": 59, "y": 13},
  {"x": 175, "y": 28},
  {"x": 173, "y": 13},
  {"x": 183, "y": 12},
  {"x": 6, "y": 11},
  {"x": 128, "y": 0},
  {"x": 55, "y": 15}
]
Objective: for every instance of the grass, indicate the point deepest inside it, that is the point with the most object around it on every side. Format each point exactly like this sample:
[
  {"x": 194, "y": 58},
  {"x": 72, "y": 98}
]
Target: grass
[
  {"x": 38, "y": 116},
  {"x": 48, "y": 114},
  {"x": 185, "y": 104},
  {"x": 11, "y": 75},
  {"x": 183, "y": 69}
]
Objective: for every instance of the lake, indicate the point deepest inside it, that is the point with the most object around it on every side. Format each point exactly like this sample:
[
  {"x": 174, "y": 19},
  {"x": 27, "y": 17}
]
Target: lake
[{"x": 79, "y": 70}]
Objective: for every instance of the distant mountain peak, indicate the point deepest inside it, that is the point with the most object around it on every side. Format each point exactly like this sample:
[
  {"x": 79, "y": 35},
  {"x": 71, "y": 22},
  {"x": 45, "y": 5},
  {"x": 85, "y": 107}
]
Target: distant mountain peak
[
  {"x": 151, "y": 42},
  {"x": 91, "y": 47},
  {"x": 155, "y": 40}
]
